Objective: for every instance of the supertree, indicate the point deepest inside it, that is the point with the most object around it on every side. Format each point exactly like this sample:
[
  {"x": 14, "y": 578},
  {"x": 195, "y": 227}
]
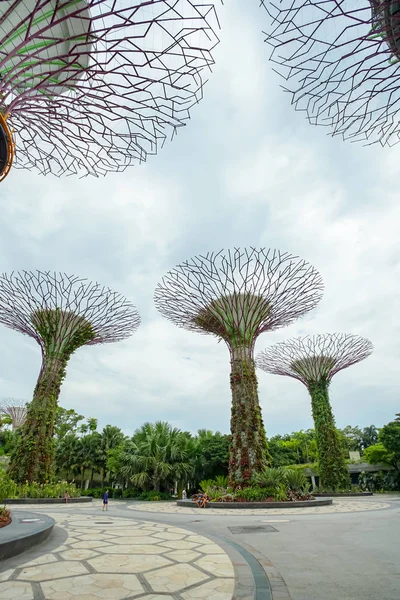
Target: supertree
[
  {"x": 15, "y": 409},
  {"x": 341, "y": 61},
  {"x": 91, "y": 86},
  {"x": 237, "y": 295},
  {"x": 314, "y": 360},
  {"x": 62, "y": 313}
]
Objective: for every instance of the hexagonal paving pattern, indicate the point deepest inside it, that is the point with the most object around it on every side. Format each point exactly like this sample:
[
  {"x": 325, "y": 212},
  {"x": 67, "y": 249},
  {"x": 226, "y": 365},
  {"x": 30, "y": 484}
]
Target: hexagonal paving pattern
[
  {"x": 338, "y": 506},
  {"x": 117, "y": 558}
]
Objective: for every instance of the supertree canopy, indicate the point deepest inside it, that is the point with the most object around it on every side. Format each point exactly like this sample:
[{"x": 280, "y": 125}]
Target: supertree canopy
[
  {"x": 341, "y": 61},
  {"x": 314, "y": 360},
  {"x": 62, "y": 313},
  {"x": 15, "y": 409},
  {"x": 91, "y": 86},
  {"x": 235, "y": 296}
]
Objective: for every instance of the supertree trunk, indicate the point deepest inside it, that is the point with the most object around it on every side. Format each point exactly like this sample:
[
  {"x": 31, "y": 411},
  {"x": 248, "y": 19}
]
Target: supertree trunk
[
  {"x": 248, "y": 451},
  {"x": 332, "y": 467},
  {"x": 34, "y": 456}
]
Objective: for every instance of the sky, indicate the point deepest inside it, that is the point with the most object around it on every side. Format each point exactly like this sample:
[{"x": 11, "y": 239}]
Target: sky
[{"x": 247, "y": 170}]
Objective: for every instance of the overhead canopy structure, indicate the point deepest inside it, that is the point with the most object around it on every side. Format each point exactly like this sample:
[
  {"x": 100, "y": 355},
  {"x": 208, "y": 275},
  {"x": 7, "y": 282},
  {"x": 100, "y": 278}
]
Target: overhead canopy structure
[
  {"x": 91, "y": 86},
  {"x": 340, "y": 59}
]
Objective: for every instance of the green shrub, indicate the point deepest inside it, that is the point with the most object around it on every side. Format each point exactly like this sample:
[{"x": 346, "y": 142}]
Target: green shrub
[
  {"x": 154, "y": 496},
  {"x": 206, "y": 485},
  {"x": 295, "y": 479},
  {"x": 130, "y": 493},
  {"x": 270, "y": 478},
  {"x": 8, "y": 488}
]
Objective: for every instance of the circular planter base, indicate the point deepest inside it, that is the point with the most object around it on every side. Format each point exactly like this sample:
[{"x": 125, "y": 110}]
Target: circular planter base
[
  {"x": 25, "y": 531},
  {"x": 47, "y": 500},
  {"x": 252, "y": 505},
  {"x": 341, "y": 494}
]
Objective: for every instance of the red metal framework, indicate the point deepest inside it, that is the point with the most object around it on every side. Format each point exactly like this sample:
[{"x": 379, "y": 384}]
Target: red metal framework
[
  {"x": 340, "y": 59},
  {"x": 26, "y": 295},
  {"x": 93, "y": 86},
  {"x": 312, "y": 358}
]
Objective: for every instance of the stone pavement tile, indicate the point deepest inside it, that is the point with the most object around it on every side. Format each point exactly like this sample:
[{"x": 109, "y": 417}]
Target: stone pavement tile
[
  {"x": 168, "y": 535},
  {"x": 77, "y": 554},
  {"x": 218, "y": 589},
  {"x": 133, "y": 549},
  {"x": 156, "y": 597},
  {"x": 92, "y": 587},
  {"x": 174, "y": 578},
  {"x": 88, "y": 544},
  {"x": 183, "y": 555},
  {"x": 127, "y": 564},
  {"x": 217, "y": 564},
  {"x": 180, "y": 545},
  {"x": 210, "y": 548},
  {"x": 16, "y": 590},
  {"x": 6, "y": 574},
  {"x": 44, "y": 559},
  {"x": 53, "y": 570},
  {"x": 92, "y": 536}
]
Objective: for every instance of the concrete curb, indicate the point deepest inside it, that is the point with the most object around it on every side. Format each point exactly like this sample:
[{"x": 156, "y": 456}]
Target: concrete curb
[
  {"x": 25, "y": 531},
  {"x": 245, "y": 505},
  {"x": 342, "y": 494},
  {"x": 82, "y": 499}
]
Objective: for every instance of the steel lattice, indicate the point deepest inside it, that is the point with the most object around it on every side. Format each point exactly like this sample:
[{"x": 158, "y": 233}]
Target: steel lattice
[
  {"x": 16, "y": 409},
  {"x": 238, "y": 294},
  {"x": 312, "y": 358},
  {"x": 341, "y": 61},
  {"x": 25, "y": 295},
  {"x": 91, "y": 86}
]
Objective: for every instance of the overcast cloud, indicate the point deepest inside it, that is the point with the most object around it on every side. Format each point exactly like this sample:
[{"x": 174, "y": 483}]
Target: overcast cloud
[{"x": 247, "y": 170}]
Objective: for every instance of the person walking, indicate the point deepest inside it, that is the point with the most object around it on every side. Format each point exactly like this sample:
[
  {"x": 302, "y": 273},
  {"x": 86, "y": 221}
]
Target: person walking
[{"x": 105, "y": 500}]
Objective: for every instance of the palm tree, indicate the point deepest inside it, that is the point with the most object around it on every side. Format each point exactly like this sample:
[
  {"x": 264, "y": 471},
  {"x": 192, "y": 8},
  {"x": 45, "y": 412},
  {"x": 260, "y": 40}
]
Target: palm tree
[
  {"x": 157, "y": 457},
  {"x": 111, "y": 438},
  {"x": 88, "y": 452}
]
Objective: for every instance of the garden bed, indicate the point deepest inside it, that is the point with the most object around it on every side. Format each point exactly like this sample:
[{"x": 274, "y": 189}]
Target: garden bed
[
  {"x": 24, "y": 532},
  {"x": 341, "y": 494},
  {"x": 47, "y": 500},
  {"x": 272, "y": 504}
]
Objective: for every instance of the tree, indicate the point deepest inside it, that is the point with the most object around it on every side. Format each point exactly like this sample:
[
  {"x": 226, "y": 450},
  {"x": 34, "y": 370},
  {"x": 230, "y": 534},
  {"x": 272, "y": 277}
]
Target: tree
[
  {"x": 158, "y": 457},
  {"x": 66, "y": 421},
  {"x": 88, "y": 454},
  {"x": 111, "y": 438},
  {"x": 369, "y": 436},
  {"x": 389, "y": 436},
  {"x": 212, "y": 452},
  {"x": 378, "y": 453},
  {"x": 352, "y": 438}
]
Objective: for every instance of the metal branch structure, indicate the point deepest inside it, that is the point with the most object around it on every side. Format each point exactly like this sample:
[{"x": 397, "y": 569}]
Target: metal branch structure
[
  {"x": 92, "y": 86},
  {"x": 341, "y": 62},
  {"x": 15, "y": 409},
  {"x": 62, "y": 313},
  {"x": 314, "y": 360},
  {"x": 237, "y": 295}
]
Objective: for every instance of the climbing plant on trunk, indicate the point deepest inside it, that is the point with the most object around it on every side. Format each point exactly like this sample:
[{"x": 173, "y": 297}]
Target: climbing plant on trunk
[
  {"x": 62, "y": 313},
  {"x": 314, "y": 360},
  {"x": 237, "y": 295}
]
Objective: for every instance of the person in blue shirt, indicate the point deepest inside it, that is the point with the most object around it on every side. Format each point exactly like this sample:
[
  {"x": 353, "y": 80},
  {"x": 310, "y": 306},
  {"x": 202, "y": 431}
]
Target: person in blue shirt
[{"x": 105, "y": 500}]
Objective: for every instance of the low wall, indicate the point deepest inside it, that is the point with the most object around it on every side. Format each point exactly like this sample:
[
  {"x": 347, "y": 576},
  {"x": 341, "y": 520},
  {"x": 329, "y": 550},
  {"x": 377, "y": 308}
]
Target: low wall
[
  {"x": 46, "y": 500},
  {"x": 341, "y": 494},
  {"x": 233, "y": 505},
  {"x": 25, "y": 531}
]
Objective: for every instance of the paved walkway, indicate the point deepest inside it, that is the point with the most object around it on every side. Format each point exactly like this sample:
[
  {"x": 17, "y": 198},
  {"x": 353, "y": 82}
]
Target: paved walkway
[
  {"x": 338, "y": 506},
  {"x": 107, "y": 557},
  {"x": 158, "y": 551}
]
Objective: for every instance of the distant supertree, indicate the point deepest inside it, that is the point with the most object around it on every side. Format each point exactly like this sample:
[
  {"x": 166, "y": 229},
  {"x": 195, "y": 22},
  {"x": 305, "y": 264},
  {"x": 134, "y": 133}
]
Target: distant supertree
[
  {"x": 314, "y": 361},
  {"x": 237, "y": 295},
  {"x": 341, "y": 61},
  {"x": 62, "y": 313},
  {"x": 91, "y": 86},
  {"x": 15, "y": 409}
]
